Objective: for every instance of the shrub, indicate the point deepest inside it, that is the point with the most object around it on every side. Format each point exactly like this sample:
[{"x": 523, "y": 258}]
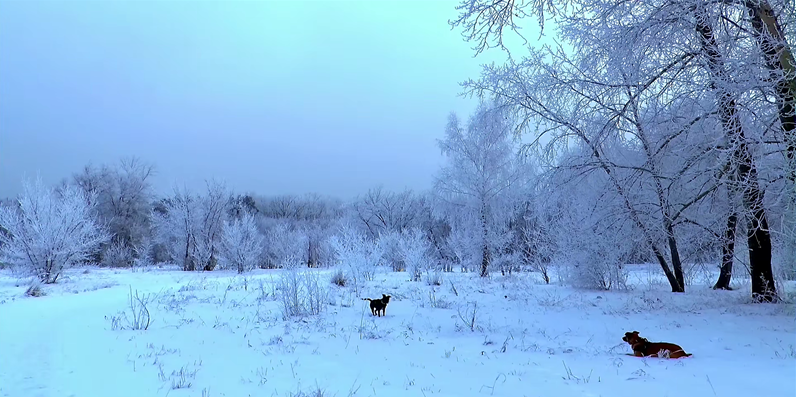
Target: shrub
[
  {"x": 434, "y": 278},
  {"x": 597, "y": 275},
  {"x": 117, "y": 255},
  {"x": 413, "y": 246},
  {"x": 301, "y": 293},
  {"x": 359, "y": 256},
  {"x": 241, "y": 244},
  {"x": 35, "y": 290},
  {"x": 339, "y": 278},
  {"x": 392, "y": 255}
]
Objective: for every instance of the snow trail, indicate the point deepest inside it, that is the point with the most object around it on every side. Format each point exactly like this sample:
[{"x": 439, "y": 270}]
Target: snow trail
[{"x": 58, "y": 346}]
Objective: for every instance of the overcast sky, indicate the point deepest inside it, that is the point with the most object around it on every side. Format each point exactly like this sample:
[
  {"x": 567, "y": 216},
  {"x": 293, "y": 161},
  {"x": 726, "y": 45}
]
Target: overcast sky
[{"x": 332, "y": 97}]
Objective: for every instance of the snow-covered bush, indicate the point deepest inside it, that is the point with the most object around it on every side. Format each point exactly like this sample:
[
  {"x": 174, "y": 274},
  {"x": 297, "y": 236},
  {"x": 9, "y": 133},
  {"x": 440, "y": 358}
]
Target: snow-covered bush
[
  {"x": 49, "y": 232},
  {"x": 597, "y": 275},
  {"x": 592, "y": 260},
  {"x": 339, "y": 278},
  {"x": 241, "y": 244},
  {"x": 391, "y": 251},
  {"x": 358, "y": 256},
  {"x": 463, "y": 249},
  {"x": 118, "y": 255},
  {"x": 590, "y": 252},
  {"x": 34, "y": 289},
  {"x": 536, "y": 242},
  {"x": 414, "y": 246},
  {"x": 434, "y": 278},
  {"x": 504, "y": 255},
  {"x": 144, "y": 254},
  {"x": 300, "y": 291}
]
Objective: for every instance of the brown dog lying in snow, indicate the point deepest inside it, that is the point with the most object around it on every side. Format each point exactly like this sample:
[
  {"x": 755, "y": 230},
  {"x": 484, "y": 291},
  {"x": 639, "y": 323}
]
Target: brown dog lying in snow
[{"x": 644, "y": 348}]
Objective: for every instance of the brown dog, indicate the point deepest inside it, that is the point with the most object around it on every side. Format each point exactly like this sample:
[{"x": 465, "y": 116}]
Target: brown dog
[
  {"x": 644, "y": 348},
  {"x": 378, "y": 306}
]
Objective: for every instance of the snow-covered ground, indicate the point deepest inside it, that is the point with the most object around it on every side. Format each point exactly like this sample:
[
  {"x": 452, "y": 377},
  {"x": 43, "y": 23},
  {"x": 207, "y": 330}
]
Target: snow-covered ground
[{"x": 221, "y": 334}]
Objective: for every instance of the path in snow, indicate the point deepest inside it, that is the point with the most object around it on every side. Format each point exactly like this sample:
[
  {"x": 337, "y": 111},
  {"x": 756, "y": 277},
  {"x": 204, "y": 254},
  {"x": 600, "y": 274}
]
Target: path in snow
[{"x": 58, "y": 346}]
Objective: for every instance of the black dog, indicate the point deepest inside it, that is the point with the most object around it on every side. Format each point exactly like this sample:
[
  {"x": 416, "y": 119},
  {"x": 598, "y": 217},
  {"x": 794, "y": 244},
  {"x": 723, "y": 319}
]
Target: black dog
[{"x": 378, "y": 306}]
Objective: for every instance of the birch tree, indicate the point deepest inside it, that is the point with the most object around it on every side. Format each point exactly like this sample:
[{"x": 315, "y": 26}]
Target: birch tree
[{"x": 476, "y": 186}]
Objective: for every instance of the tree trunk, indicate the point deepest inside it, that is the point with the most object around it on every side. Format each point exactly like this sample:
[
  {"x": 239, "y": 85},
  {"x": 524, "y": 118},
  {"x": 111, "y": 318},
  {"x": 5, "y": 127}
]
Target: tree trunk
[
  {"x": 727, "y": 254},
  {"x": 759, "y": 240},
  {"x": 485, "y": 258},
  {"x": 677, "y": 264},
  {"x": 758, "y": 236},
  {"x": 779, "y": 60},
  {"x": 187, "y": 262},
  {"x": 663, "y": 202},
  {"x": 211, "y": 263},
  {"x": 485, "y": 262},
  {"x": 47, "y": 277},
  {"x": 676, "y": 285}
]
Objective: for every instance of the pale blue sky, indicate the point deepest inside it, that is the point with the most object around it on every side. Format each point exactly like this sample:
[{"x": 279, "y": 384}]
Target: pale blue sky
[{"x": 274, "y": 97}]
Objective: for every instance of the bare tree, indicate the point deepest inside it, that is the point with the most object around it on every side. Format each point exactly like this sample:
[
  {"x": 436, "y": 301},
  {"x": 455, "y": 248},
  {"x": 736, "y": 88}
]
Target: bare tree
[{"x": 382, "y": 211}]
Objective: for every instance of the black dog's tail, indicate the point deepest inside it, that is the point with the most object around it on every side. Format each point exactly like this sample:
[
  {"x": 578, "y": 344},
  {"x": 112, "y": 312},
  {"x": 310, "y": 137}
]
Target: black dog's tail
[{"x": 367, "y": 299}]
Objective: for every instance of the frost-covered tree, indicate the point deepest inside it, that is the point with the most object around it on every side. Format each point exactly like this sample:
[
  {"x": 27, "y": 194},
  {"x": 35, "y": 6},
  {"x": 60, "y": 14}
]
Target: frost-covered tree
[
  {"x": 241, "y": 205},
  {"x": 312, "y": 219},
  {"x": 190, "y": 226},
  {"x": 241, "y": 244},
  {"x": 478, "y": 187},
  {"x": 121, "y": 198},
  {"x": 213, "y": 210},
  {"x": 283, "y": 244},
  {"x": 705, "y": 66},
  {"x": 49, "y": 231},
  {"x": 176, "y": 225},
  {"x": 381, "y": 211}
]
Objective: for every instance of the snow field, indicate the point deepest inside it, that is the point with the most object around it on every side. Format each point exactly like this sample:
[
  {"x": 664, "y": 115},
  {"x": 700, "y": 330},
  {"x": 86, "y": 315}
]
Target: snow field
[{"x": 223, "y": 334}]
